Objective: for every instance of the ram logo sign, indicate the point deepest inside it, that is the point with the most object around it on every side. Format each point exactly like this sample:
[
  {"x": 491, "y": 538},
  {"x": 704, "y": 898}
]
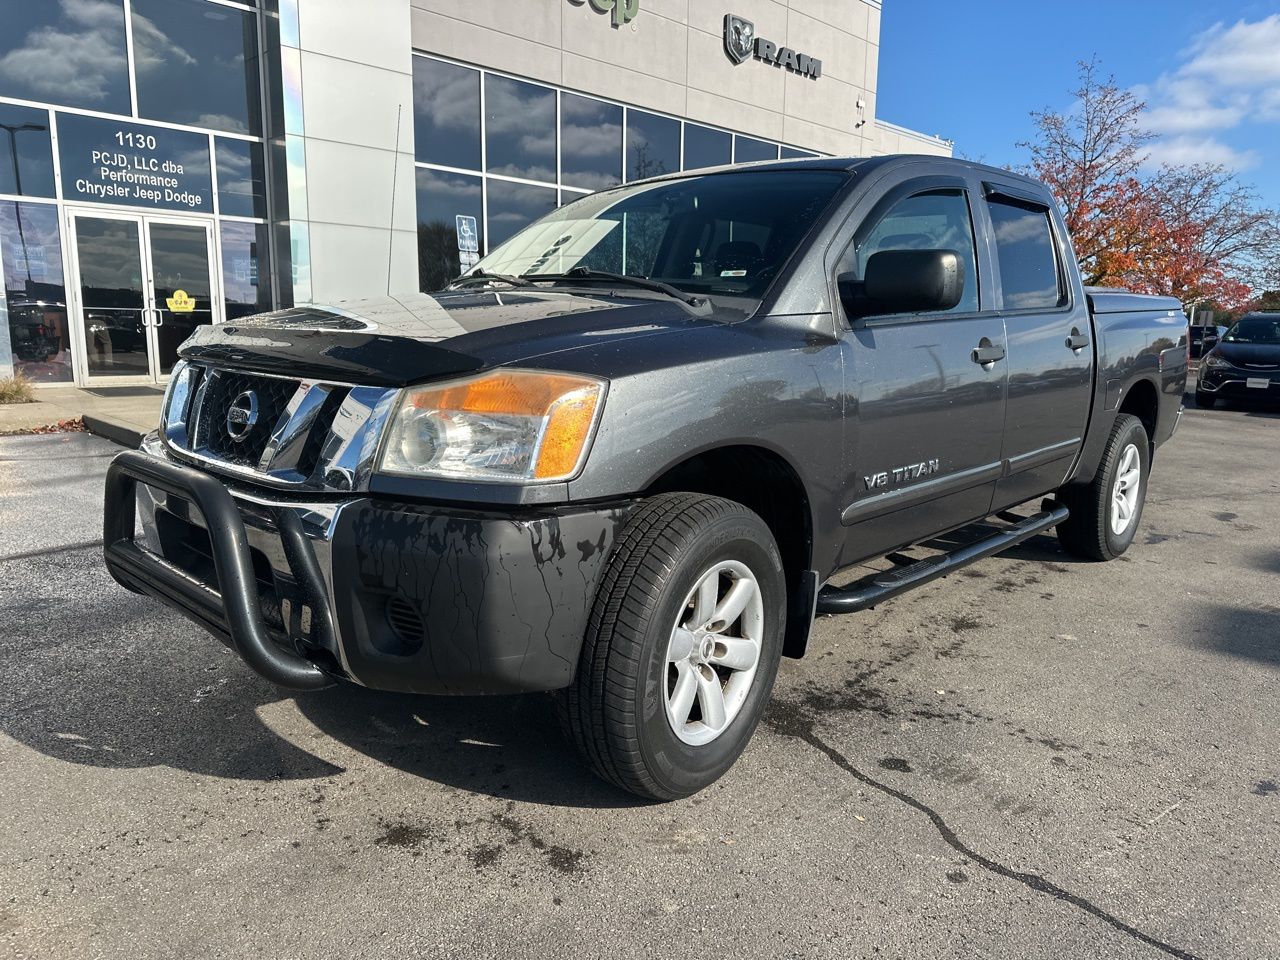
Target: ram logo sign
[
  {"x": 624, "y": 11},
  {"x": 741, "y": 43}
]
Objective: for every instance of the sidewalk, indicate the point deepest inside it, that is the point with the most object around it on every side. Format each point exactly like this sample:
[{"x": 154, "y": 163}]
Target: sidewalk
[{"x": 122, "y": 414}]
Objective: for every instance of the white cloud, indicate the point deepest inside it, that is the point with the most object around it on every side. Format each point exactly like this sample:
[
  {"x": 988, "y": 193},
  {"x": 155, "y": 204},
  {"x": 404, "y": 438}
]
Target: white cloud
[
  {"x": 1230, "y": 76},
  {"x": 1187, "y": 148}
]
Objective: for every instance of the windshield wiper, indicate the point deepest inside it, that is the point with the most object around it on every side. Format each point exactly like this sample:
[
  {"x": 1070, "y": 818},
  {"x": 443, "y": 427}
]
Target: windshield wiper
[
  {"x": 490, "y": 277},
  {"x": 586, "y": 273}
]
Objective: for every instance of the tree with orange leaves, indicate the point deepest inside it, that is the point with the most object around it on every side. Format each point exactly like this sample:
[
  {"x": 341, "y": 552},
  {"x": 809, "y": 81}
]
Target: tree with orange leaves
[{"x": 1194, "y": 232}]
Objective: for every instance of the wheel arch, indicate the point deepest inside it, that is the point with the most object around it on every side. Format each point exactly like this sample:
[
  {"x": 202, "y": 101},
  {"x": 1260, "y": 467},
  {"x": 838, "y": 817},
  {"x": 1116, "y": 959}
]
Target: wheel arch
[
  {"x": 766, "y": 482},
  {"x": 1142, "y": 400}
]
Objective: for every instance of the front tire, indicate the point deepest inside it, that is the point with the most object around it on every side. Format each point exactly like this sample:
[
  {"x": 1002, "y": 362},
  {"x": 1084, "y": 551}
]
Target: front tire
[
  {"x": 682, "y": 647},
  {"x": 1205, "y": 400},
  {"x": 1105, "y": 514}
]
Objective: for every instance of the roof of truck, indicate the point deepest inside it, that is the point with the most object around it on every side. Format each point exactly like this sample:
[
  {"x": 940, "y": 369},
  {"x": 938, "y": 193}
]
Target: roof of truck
[{"x": 855, "y": 164}]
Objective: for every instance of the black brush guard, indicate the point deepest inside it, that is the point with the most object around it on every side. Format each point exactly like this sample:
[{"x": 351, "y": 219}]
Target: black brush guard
[{"x": 233, "y": 611}]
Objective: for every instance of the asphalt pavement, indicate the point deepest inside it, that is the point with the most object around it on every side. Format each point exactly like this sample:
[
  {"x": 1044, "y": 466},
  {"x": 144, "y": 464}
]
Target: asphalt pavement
[{"x": 1035, "y": 758}]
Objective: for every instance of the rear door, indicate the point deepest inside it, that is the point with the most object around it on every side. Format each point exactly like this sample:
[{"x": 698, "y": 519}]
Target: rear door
[
  {"x": 1050, "y": 348},
  {"x": 925, "y": 418}
]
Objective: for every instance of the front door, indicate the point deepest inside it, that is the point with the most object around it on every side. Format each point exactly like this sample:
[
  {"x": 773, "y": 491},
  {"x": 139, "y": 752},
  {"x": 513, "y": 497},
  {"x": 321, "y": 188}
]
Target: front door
[
  {"x": 142, "y": 284},
  {"x": 927, "y": 390}
]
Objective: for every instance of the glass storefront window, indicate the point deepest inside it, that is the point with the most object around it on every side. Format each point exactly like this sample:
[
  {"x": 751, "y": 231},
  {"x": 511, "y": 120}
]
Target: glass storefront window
[
  {"x": 590, "y": 143},
  {"x": 242, "y": 178},
  {"x": 26, "y": 157},
  {"x": 446, "y": 114},
  {"x": 520, "y": 129},
  {"x": 197, "y": 63},
  {"x": 704, "y": 147},
  {"x": 513, "y": 206},
  {"x": 442, "y": 198},
  {"x": 39, "y": 339},
  {"x": 746, "y": 150},
  {"x": 68, "y": 52},
  {"x": 246, "y": 276},
  {"x": 653, "y": 145},
  {"x": 791, "y": 153}
]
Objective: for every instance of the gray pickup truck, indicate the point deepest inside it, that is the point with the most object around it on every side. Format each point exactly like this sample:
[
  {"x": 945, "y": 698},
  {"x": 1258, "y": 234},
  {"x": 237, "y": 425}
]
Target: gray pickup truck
[{"x": 624, "y": 457}]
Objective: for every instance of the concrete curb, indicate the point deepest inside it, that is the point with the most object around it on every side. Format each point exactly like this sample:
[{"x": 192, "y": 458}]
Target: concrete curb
[{"x": 114, "y": 431}]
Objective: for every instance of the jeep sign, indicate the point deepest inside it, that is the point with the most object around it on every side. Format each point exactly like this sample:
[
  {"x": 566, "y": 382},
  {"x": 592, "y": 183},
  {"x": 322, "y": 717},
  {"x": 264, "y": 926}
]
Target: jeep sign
[
  {"x": 741, "y": 43},
  {"x": 624, "y": 11}
]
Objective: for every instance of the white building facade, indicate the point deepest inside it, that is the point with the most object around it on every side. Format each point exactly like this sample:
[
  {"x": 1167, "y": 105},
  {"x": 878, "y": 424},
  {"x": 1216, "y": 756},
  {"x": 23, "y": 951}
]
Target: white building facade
[{"x": 165, "y": 163}]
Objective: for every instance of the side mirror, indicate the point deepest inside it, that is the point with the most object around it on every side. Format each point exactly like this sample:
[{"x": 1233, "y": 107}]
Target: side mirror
[{"x": 904, "y": 281}]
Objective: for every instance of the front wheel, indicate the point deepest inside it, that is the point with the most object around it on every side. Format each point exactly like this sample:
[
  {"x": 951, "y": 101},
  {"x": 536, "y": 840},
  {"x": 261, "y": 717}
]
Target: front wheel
[
  {"x": 682, "y": 646},
  {"x": 1105, "y": 514},
  {"x": 1205, "y": 400}
]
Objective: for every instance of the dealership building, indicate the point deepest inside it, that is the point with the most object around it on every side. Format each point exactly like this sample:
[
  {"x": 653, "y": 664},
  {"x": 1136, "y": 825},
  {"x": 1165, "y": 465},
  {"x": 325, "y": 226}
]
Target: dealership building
[{"x": 166, "y": 163}]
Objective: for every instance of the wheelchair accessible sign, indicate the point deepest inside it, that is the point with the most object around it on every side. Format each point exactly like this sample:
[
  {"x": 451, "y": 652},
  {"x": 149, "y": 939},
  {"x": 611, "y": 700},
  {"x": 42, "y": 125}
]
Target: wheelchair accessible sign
[{"x": 468, "y": 241}]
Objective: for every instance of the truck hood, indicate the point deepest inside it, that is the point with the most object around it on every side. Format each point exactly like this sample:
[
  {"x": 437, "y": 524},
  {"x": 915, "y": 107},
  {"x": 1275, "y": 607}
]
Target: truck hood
[{"x": 396, "y": 341}]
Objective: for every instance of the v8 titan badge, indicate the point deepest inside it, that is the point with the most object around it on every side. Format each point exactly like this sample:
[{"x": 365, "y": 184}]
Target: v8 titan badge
[{"x": 180, "y": 302}]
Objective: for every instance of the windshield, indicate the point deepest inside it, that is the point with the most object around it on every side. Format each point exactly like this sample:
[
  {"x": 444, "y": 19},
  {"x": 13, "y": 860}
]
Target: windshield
[
  {"x": 724, "y": 234},
  {"x": 1255, "y": 330}
]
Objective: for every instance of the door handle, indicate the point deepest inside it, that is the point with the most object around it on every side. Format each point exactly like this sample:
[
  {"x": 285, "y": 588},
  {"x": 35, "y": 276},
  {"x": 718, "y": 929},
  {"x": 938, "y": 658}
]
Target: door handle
[
  {"x": 1077, "y": 341},
  {"x": 986, "y": 352}
]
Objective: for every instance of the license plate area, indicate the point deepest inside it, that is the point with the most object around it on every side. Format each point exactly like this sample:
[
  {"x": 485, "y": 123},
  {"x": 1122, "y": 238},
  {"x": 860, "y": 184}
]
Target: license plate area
[{"x": 1258, "y": 383}]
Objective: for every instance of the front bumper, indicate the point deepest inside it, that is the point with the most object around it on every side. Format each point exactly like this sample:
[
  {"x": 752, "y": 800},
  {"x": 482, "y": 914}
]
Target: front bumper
[
  {"x": 393, "y": 596},
  {"x": 1234, "y": 382}
]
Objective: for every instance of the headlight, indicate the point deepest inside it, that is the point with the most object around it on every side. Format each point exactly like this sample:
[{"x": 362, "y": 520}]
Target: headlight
[
  {"x": 1213, "y": 360},
  {"x": 513, "y": 425}
]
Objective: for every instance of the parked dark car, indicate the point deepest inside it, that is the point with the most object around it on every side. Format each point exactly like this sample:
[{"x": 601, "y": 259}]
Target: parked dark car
[
  {"x": 1244, "y": 364},
  {"x": 624, "y": 457}
]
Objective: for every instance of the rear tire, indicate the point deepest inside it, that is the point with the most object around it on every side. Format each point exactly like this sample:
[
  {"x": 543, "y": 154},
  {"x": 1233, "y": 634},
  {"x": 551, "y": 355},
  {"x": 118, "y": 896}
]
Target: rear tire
[
  {"x": 1105, "y": 513},
  {"x": 662, "y": 705}
]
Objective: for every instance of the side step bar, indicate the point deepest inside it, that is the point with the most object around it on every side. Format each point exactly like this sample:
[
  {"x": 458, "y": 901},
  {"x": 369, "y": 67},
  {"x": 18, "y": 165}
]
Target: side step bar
[{"x": 890, "y": 583}]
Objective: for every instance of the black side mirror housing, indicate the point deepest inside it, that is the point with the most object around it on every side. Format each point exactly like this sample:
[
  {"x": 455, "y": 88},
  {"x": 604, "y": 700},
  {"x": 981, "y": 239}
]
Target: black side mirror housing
[{"x": 904, "y": 281}]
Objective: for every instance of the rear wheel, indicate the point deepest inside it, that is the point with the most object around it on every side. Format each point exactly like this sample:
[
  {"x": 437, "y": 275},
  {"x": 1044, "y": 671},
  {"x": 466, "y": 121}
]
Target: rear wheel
[
  {"x": 682, "y": 646},
  {"x": 1105, "y": 514}
]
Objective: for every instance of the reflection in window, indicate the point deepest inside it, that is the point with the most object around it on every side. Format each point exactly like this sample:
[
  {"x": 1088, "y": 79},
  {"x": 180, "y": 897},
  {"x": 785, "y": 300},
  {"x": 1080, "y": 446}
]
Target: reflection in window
[
  {"x": 1024, "y": 248},
  {"x": 938, "y": 220},
  {"x": 513, "y": 206},
  {"x": 38, "y": 336},
  {"x": 24, "y": 136},
  {"x": 446, "y": 114},
  {"x": 653, "y": 145},
  {"x": 70, "y": 52},
  {"x": 197, "y": 63},
  {"x": 246, "y": 277},
  {"x": 704, "y": 147},
  {"x": 520, "y": 129},
  {"x": 242, "y": 178},
  {"x": 442, "y": 199},
  {"x": 747, "y": 150},
  {"x": 590, "y": 143}
]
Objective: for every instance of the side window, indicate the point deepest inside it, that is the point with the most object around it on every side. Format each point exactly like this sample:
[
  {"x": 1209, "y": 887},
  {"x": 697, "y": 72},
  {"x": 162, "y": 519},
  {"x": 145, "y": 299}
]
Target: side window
[
  {"x": 1028, "y": 260},
  {"x": 936, "y": 220}
]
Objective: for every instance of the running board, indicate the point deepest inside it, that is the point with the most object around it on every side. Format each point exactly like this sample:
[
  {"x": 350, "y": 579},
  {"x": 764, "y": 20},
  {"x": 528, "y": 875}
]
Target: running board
[{"x": 890, "y": 583}]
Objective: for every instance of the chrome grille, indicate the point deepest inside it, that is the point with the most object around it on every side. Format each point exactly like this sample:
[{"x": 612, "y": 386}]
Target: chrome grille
[
  {"x": 222, "y": 389},
  {"x": 292, "y": 433}
]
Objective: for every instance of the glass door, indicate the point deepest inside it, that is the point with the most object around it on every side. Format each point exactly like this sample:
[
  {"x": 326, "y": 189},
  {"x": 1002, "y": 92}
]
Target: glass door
[
  {"x": 113, "y": 303},
  {"x": 144, "y": 284},
  {"x": 180, "y": 255}
]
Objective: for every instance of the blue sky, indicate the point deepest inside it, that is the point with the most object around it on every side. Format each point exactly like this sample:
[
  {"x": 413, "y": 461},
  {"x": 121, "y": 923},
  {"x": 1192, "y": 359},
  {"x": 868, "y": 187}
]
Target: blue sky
[{"x": 973, "y": 72}]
